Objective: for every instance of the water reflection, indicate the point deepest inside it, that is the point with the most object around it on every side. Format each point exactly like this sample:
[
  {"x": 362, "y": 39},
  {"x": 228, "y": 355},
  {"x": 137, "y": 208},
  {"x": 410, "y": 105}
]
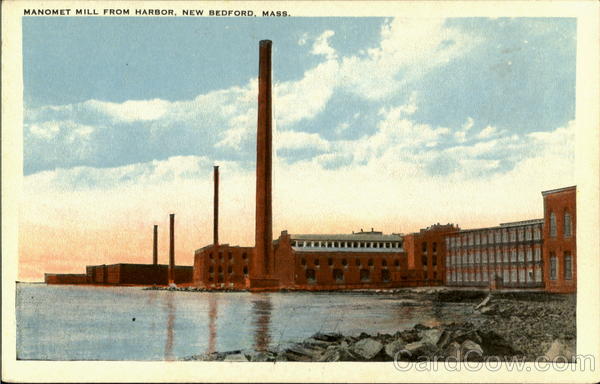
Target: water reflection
[
  {"x": 261, "y": 319},
  {"x": 213, "y": 313},
  {"x": 170, "y": 305}
]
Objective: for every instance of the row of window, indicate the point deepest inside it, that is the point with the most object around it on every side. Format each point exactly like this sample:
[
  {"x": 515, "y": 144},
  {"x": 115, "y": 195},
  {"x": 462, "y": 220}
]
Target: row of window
[
  {"x": 229, "y": 256},
  {"x": 500, "y": 256},
  {"x": 211, "y": 270},
  {"x": 568, "y": 266},
  {"x": 433, "y": 247},
  {"x": 345, "y": 244},
  {"x": 357, "y": 262},
  {"x": 501, "y": 235},
  {"x": 567, "y": 230},
  {"x": 531, "y": 275},
  {"x": 338, "y": 275}
]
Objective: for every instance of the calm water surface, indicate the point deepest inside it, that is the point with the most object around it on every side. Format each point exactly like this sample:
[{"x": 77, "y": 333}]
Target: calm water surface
[{"x": 117, "y": 323}]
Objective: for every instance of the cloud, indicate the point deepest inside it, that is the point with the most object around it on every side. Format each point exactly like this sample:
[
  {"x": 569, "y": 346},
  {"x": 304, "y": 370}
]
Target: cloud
[
  {"x": 300, "y": 140},
  {"x": 322, "y": 47}
]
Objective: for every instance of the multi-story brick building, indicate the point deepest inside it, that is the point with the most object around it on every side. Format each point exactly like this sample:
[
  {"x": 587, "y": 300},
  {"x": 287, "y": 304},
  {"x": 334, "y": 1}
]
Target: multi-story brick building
[
  {"x": 509, "y": 255},
  {"x": 560, "y": 228}
]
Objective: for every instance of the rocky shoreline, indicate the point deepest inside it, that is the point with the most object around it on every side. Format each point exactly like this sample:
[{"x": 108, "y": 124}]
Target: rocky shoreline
[{"x": 521, "y": 325}]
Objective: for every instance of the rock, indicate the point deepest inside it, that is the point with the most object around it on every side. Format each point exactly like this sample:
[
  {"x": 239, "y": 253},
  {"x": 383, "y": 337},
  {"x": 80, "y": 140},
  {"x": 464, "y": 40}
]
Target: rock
[
  {"x": 329, "y": 337},
  {"x": 453, "y": 351},
  {"x": 409, "y": 335},
  {"x": 471, "y": 351},
  {"x": 443, "y": 339},
  {"x": 560, "y": 352},
  {"x": 367, "y": 348},
  {"x": 420, "y": 327},
  {"x": 391, "y": 349},
  {"x": 431, "y": 336},
  {"x": 495, "y": 345},
  {"x": 418, "y": 349},
  {"x": 262, "y": 357},
  {"x": 299, "y": 353},
  {"x": 330, "y": 355},
  {"x": 484, "y": 302},
  {"x": 235, "y": 357},
  {"x": 488, "y": 310}
]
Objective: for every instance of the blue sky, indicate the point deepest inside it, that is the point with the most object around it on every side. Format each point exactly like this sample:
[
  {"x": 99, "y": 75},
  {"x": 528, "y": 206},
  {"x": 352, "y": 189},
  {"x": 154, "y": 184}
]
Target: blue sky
[{"x": 514, "y": 75}]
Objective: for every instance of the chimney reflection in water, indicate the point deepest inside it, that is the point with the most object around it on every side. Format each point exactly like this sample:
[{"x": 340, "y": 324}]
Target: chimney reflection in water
[
  {"x": 170, "y": 305},
  {"x": 261, "y": 318},
  {"x": 213, "y": 309}
]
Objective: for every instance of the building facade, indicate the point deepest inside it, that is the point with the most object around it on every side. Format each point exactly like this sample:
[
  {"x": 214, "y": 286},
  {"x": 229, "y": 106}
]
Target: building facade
[
  {"x": 560, "y": 248},
  {"x": 509, "y": 255}
]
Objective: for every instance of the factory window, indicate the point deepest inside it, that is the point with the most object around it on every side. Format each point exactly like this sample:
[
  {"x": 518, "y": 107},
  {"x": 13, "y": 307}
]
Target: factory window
[
  {"x": 357, "y": 262},
  {"x": 344, "y": 262},
  {"x": 552, "y": 224},
  {"x": 303, "y": 261},
  {"x": 355, "y": 245},
  {"x": 220, "y": 279},
  {"x": 245, "y": 270},
  {"x": 384, "y": 262},
  {"x": 230, "y": 256},
  {"x": 220, "y": 269},
  {"x": 385, "y": 275},
  {"x": 521, "y": 276},
  {"x": 210, "y": 256},
  {"x": 365, "y": 275},
  {"x": 335, "y": 244},
  {"x": 567, "y": 229},
  {"x": 294, "y": 243},
  {"x": 553, "y": 266},
  {"x": 230, "y": 269},
  {"x": 397, "y": 263},
  {"x": 424, "y": 260},
  {"x": 221, "y": 256},
  {"x": 424, "y": 247},
  {"x": 330, "y": 261},
  {"x": 368, "y": 245},
  {"x": 434, "y": 260},
  {"x": 310, "y": 276},
  {"x": 338, "y": 275},
  {"x": 568, "y": 266},
  {"x": 316, "y": 261},
  {"x": 244, "y": 256},
  {"x": 434, "y": 275},
  {"x": 211, "y": 269},
  {"x": 434, "y": 247},
  {"x": 370, "y": 262}
]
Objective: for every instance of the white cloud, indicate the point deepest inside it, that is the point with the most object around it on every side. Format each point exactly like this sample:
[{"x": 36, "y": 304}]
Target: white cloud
[
  {"x": 300, "y": 140},
  {"x": 322, "y": 47},
  {"x": 487, "y": 132},
  {"x": 132, "y": 110}
]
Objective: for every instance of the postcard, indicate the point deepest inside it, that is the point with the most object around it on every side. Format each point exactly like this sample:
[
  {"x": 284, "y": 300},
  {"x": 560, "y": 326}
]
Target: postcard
[{"x": 301, "y": 191}]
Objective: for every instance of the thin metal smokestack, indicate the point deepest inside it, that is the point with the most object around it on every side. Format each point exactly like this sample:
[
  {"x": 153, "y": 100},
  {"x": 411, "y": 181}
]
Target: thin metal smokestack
[
  {"x": 216, "y": 206},
  {"x": 263, "y": 230},
  {"x": 172, "y": 249},
  {"x": 155, "y": 246}
]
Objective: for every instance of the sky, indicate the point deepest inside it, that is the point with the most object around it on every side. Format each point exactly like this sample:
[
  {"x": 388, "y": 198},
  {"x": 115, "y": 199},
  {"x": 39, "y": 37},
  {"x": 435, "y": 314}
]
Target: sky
[{"x": 385, "y": 123}]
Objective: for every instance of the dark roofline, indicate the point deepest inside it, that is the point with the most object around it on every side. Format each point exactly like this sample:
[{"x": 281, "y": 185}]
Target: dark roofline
[{"x": 557, "y": 190}]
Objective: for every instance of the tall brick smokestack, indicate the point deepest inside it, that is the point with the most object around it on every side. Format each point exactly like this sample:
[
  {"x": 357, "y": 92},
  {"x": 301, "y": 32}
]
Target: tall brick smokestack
[
  {"x": 172, "y": 249},
  {"x": 216, "y": 206},
  {"x": 155, "y": 246},
  {"x": 263, "y": 230}
]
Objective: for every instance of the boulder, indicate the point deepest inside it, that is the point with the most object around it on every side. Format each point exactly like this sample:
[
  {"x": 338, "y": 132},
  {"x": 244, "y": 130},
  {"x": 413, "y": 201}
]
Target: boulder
[
  {"x": 453, "y": 351},
  {"x": 328, "y": 337},
  {"x": 391, "y": 349},
  {"x": 235, "y": 357},
  {"x": 560, "y": 352},
  {"x": 262, "y": 356},
  {"x": 431, "y": 336},
  {"x": 484, "y": 302},
  {"x": 409, "y": 335},
  {"x": 367, "y": 349},
  {"x": 471, "y": 351},
  {"x": 418, "y": 349},
  {"x": 495, "y": 345}
]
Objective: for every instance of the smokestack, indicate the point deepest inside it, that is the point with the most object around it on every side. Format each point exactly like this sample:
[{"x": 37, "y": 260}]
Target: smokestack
[
  {"x": 263, "y": 230},
  {"x": 216, "y": 206},
  {"x": 172, "y": 249},
  {"x": 155, "y": 246}
]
